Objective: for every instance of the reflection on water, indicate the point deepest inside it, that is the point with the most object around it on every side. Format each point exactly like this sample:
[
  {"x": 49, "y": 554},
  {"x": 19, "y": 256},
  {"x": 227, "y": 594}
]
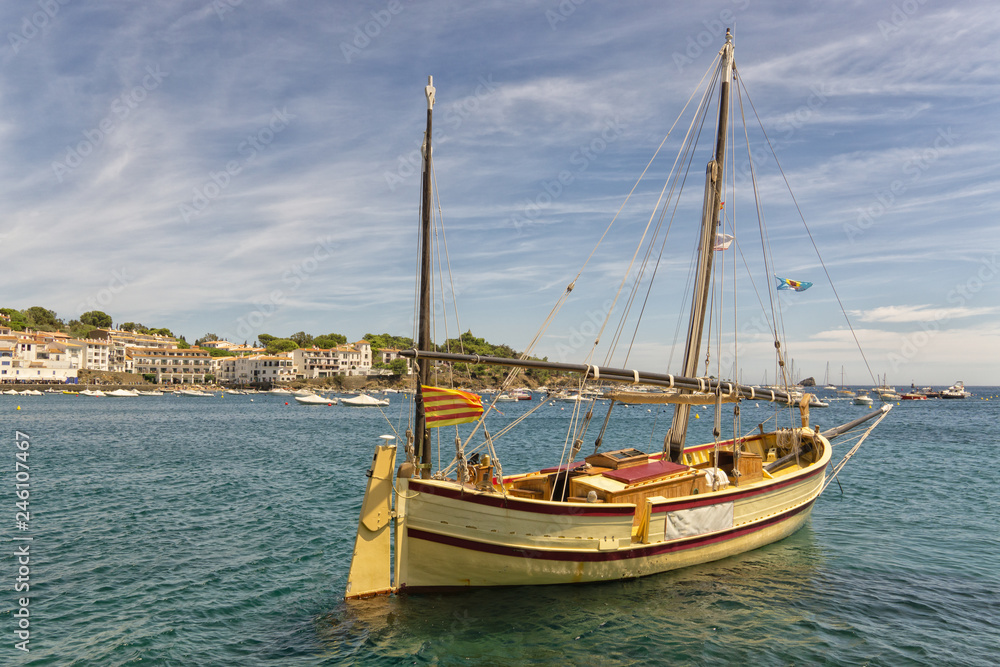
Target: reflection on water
[{"x": 742, "y": 598}]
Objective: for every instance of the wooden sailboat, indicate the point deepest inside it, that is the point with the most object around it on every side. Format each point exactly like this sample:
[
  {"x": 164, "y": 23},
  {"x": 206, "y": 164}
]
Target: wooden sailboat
[{"x": 614, "y": 514}]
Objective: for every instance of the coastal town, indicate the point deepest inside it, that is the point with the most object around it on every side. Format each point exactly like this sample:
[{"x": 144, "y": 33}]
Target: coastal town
[{"x": 55, "y": 357}]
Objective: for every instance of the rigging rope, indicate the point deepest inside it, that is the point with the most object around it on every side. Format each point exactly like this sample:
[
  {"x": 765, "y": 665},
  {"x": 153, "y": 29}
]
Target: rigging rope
[{"x": 812, "y": 239}]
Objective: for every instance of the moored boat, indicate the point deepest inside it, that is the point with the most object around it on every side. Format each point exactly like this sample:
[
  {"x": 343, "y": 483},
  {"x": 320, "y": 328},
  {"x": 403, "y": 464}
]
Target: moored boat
[
  {"x": 364, "y": 401},
  {"x": 612, "y": 514},
  {"x": 956, "y": 390},
  {"x": 314, "y": 399},
  {"x": 123, "y": 393},
  {"x": 193, "y": 392}
]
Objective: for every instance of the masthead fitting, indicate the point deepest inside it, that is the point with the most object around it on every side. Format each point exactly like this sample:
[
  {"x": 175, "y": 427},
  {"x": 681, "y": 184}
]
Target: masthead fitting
[{"x": 429, "y": 91}]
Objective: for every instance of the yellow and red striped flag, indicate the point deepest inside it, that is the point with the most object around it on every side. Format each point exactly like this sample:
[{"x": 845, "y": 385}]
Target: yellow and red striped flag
[{"x": 444, "y": 407}]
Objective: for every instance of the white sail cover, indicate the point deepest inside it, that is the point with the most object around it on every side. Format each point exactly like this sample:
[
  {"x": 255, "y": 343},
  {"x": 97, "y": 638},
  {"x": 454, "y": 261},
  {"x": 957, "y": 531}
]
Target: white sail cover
[{"x": 363, "y": 401}]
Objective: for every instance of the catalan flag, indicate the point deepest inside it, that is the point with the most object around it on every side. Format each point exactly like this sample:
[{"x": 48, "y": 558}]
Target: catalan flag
[
  {"x": 797, "y": 285},
  {"x": 444, "y": 407}
]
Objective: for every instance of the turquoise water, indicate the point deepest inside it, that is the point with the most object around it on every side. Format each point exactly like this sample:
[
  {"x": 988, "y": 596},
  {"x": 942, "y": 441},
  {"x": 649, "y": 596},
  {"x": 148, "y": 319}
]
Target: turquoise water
[{"x": 218, "y": 531}]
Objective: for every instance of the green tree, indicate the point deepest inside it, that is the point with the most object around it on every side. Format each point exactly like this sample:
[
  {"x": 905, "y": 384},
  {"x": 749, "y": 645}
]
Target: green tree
[
  {"x": 398, "y": 366},
  {"x": 388, "y": 341},
  {"x": 96, "y": 318},
  {"x": 329, "y": 340},
  {"x": 281, "y": 345},
  {"x": 183, "y": 344},
  {"x": 78, "y": 329},
  {"x": 42, "y": 318},
  {"x": 18, "y": 322},
  {"x": 206, "y": 338},
  {"x": 264, "y": 339},
  {"x": 133, "y": 327},
  {"x": 302, "y": 339}
]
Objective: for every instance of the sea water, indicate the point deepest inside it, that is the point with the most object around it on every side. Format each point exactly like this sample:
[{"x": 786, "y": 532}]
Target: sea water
[{"x": 218, "y": 531}]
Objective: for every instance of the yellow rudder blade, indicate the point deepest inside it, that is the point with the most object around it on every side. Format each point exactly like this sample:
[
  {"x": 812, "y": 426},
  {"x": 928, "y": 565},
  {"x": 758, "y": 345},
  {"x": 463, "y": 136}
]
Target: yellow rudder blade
[{"x": 371, "y": 564}]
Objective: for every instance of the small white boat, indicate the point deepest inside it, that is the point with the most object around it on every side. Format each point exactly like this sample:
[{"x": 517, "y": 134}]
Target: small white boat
[
  {"x": 280, "y": 392},
  {"x": 364, "y": 401},
  {"x": 123, "y": 393},
  {"x": 150, "y": 393},
  {"x": 863, "y": 399},
  {"x": 956, "y": 390},
  {"x": 97, "y": 393},
  {"x": 315, "y": 399},
  {"x": 194, "y": 392}
]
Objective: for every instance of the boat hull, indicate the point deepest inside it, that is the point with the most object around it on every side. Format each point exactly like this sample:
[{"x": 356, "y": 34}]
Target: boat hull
[{"x": 454, "y": 539}]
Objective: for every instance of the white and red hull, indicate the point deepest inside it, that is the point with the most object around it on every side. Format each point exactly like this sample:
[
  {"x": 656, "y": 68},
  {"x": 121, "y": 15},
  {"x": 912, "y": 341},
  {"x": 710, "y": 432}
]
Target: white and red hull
[{"x": 451, "y": 537}]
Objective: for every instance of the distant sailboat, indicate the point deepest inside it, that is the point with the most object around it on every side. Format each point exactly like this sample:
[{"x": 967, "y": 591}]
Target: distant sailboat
[{"x": 826, "y": 380}]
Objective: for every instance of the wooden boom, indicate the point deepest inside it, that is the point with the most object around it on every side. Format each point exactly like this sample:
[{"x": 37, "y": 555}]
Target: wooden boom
[{"x": 707, "y": 385}]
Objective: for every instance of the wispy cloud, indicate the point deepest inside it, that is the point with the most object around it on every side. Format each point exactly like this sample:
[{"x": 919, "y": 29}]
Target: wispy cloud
[
  {"x": 921, "y": 313},
  {"x": 851, "y": 105}
]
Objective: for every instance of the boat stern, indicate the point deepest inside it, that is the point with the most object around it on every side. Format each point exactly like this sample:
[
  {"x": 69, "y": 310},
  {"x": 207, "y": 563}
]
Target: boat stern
[{"x": 371, "y": 564}]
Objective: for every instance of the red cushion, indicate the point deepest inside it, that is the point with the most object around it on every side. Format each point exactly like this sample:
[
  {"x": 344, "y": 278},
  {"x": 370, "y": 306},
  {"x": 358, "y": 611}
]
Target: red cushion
[{"x": 644, "y": 472}]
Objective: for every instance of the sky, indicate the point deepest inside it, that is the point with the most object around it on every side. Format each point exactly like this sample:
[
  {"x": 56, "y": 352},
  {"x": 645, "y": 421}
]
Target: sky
[{"x": 238, "y": 167}]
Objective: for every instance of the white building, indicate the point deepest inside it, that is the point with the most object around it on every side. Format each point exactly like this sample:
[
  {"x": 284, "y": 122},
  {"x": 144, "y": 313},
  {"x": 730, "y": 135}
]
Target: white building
[
  {"x": 172, "y": 366},
  {"x": 31, "y": 358},
  {"x": 260, "y": 369},
  {"x": 120, "y": 342},
  {"x": 388, "y": 355},
  {"x": 93, "y": 355},
  {"x": 353, "y": 359}
]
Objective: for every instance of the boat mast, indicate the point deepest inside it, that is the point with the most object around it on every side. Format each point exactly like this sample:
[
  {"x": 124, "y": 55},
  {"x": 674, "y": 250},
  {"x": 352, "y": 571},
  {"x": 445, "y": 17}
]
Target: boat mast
[
  {"x": 422, "y": 439},
  {"x": 714, "y": 183}
]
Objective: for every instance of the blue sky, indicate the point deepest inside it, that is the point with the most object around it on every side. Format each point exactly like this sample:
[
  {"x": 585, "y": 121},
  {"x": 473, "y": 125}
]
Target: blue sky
[{"x": 247, "y": 167}]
